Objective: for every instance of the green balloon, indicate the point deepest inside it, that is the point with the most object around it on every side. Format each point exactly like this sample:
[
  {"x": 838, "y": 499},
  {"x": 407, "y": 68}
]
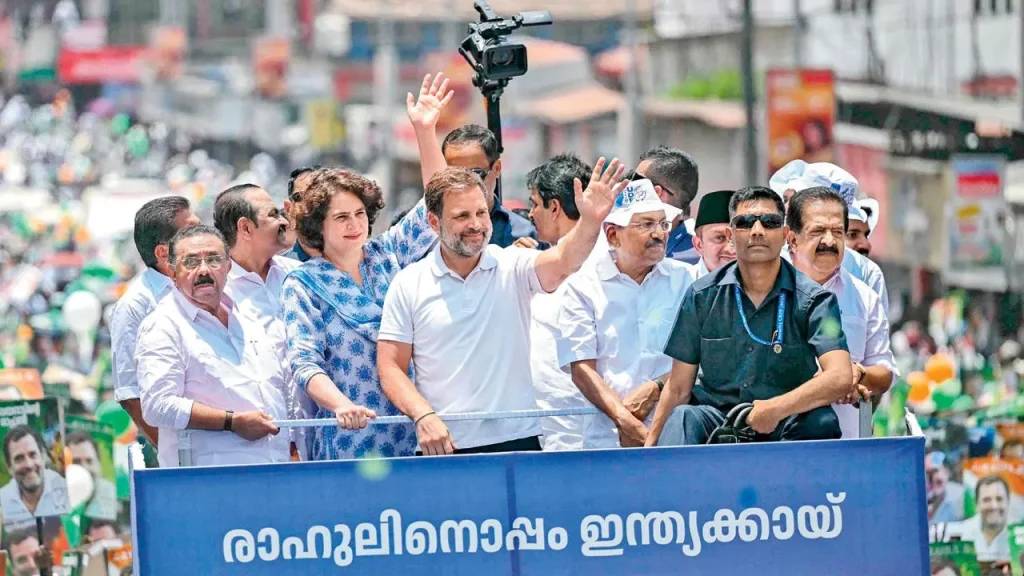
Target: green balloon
[
  {"x": 110, "y": 412},
  {"x": 943, "y": 399},
  {"x": 963, "y": 403},
  {"x": 120, "y": 124}
]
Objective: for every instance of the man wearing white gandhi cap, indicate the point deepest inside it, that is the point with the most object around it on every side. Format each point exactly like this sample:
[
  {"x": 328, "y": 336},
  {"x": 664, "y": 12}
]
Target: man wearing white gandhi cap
[
  {"x": 799, "y": 175},
  {"x": 859, "y": 234},
  {"x": 616, "y": 316}
]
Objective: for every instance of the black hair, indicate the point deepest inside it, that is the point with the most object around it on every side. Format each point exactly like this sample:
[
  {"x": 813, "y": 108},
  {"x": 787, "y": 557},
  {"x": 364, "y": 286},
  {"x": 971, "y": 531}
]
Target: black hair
[
  {"x": 799, "y": 201},
  {"x": 79, "y": 437},
  {"x": 295, "y": 176},
  {"x": 192, "y": 232},
  {"x": 19, "y": 536},
  {"x": 154, "y": 225},
  {"x": 988, "y": 480},
  {"x": 398, "y": 218},
  {"x": 553, "y": 180},
  {"x": 17, "y": 433},
  {"x": 754, "y": 194},
  {"x": 229, "y": 207},
  {"x": 674, "y": 168},
  {"x": 473, "y": 134}
]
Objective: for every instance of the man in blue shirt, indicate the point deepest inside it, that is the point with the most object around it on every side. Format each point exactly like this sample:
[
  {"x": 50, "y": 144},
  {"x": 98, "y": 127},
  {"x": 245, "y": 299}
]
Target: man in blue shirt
[
  {"x": 675, "y": 178},
  {"x": 760, "y": 332},
  {"x": 475, "y": 148}
]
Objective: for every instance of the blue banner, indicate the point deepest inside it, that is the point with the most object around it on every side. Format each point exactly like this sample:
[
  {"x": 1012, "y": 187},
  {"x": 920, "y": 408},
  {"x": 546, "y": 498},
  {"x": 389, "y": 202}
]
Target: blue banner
[{"x": 843, "y": 507}]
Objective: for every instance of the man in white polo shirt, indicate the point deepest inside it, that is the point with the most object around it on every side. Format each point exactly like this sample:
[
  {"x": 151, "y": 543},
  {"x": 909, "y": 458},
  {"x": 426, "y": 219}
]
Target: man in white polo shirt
[
  {"x": 617, "y": 314},
  {"x": 818, "y": 221},
  {"x": 461, "y": 316}
]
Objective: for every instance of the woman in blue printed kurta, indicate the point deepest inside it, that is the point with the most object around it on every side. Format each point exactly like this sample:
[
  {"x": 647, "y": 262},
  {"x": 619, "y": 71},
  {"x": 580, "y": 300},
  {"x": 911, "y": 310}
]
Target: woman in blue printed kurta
[{"x": 333, "y": 306}]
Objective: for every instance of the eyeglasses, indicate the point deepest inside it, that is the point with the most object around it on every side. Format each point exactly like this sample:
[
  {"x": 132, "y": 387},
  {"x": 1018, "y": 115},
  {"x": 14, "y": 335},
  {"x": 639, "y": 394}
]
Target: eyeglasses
[
  {"x": 746, "y": 221},
  {"x": 649, "y": 226},
  {"x": 634, "y": 176},
  {"x": 480, "y": 172},
  {"x": 194, "y": 262}
]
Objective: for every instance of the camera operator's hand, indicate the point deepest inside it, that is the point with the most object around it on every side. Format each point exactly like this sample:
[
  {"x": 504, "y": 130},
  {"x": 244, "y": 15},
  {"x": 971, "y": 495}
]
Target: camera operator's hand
[{"x": 425, "y": 111}]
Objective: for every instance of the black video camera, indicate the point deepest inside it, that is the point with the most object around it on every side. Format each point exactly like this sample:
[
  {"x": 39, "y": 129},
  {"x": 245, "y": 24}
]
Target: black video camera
[{"x": 487, "y": 48}]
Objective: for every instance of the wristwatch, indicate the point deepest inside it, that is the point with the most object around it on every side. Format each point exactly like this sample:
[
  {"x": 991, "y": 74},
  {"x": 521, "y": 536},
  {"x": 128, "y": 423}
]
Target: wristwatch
[{"x": 228, "y": 417}]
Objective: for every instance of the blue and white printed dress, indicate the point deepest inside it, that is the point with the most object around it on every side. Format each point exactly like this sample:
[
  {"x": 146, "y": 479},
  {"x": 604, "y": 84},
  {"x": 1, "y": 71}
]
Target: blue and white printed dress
[{"x": 332, "y": 324}]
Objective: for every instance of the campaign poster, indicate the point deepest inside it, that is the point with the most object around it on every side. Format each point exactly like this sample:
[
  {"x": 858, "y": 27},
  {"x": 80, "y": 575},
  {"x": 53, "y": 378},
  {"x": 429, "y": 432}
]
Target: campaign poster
[
  {"x": 800, "y": 112},
  {"x": 32, "y": 476},
  {"x": 20, "y": 384},
  {"x": 21, "y": 543},
  {"x": 91, "y": 444},
  {"x": 954, "y": 559},
  {"x": 994, "y": 492},
  {"x": 1016, "y": 533},
  {"x": 976, "y": 232}
]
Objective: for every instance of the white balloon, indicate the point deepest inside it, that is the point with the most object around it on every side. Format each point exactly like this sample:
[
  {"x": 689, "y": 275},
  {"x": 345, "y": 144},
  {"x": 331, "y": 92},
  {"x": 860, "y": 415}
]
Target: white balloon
[
  {"x": 82, "y": 311},
  {"x": 80, "y": 484}
]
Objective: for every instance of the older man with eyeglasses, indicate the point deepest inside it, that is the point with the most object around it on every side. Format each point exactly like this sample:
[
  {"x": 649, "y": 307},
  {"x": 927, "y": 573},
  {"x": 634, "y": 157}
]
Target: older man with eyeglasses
[
  {"x": 205, "y": 365},
  {"x": 616, "y": 315}
]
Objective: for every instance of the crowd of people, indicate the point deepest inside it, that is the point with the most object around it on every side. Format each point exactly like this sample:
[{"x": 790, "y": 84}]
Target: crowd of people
[
  {"x": 250, "y": 311},
  {"x": 608, "y": 296}
]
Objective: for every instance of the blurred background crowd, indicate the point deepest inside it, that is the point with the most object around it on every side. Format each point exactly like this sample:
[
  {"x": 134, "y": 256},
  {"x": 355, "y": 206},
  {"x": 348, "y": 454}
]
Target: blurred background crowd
[{"x": 107, "y": 104}]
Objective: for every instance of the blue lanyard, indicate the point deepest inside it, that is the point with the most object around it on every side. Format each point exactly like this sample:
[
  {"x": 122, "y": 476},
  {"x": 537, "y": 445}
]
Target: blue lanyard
[{"x": 776, "y": 342}]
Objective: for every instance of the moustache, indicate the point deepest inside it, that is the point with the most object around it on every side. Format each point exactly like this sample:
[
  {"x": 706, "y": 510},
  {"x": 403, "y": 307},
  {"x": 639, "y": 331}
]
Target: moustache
[
  {"x": 473, "y": 232},
  {"x": 655, "y": 242},
  {"x": 756, "y": 241},
  {"x": 827, "y": 250},
  {"x": 203, "y": 281}
]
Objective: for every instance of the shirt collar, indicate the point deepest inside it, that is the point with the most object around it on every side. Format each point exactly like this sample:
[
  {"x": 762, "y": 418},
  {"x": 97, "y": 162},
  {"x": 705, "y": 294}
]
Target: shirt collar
[
  {"x": 191, "y": 311},
  {"x": 607, "y": 269},
  {"x": 837, "y": 282},
  {"x": 238, "y": 272},
  {"x": 439, "y": 268},
  {"x": 158, "y": 284},
  {"x": 786, "y": 280}
]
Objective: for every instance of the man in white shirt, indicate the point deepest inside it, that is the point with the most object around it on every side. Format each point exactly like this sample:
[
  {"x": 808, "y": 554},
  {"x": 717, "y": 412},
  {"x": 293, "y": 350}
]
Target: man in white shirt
[
  {"x": 257, "y": 231},
  {"x": 201, "y": 360},
  {"x": 711, "y": 232},
  {"x": 553, "y": 211},
  {"x": 462, "y": 316},
  {"x": 987, "y": 529},
  {"x": 862, "y": 222},
  {"x": 799, "y": 175},
  {"x": 34, "y": 489},
  {"x": 617, "y": 314},
  {"x": 818, "y": 220},
  {"x": 155, "y": 224}
]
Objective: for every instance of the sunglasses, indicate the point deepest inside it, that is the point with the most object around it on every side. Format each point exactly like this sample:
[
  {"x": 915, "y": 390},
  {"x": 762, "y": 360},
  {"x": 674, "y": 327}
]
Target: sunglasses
[
  {"x": 769, "y": 221},
  {"x": 480, "y": 172},
  {"x": 634, "y": 176}
]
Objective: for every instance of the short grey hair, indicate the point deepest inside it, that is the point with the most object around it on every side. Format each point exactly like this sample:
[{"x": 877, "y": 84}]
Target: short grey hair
[{"x": 192, "y": 232}]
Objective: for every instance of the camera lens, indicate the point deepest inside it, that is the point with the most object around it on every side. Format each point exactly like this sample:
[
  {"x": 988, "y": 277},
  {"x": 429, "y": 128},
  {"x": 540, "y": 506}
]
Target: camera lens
[{"x": 502, "y": 57}]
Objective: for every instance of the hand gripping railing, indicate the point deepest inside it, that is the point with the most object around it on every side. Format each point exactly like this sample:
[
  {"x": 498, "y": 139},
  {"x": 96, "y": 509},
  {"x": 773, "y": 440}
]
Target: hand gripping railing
[
  {"x": 185, "y": 438},
  {"x": 185, "y": 441}
]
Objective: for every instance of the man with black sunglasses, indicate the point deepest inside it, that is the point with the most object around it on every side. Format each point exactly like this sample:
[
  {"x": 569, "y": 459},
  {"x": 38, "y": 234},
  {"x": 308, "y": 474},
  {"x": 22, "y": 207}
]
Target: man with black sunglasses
[{"x": 758, "y": 330}]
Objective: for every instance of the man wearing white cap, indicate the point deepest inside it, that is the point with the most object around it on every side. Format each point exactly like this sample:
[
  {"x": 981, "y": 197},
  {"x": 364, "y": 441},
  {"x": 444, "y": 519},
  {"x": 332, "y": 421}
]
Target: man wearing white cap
[
  {"x": 616, "y": 316},
  {"x": 799, "y": 175},
  {"x": 861, "y": 225}
]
